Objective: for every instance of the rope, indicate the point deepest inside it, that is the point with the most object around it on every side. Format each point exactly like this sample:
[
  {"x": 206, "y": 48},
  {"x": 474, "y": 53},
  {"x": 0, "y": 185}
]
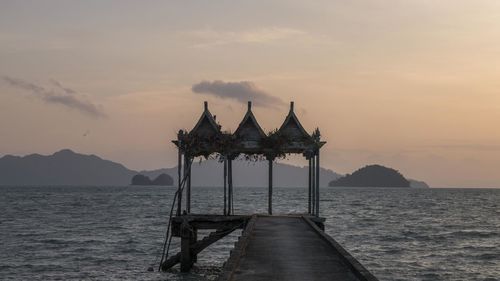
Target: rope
[{"x": 168, "y": 237}]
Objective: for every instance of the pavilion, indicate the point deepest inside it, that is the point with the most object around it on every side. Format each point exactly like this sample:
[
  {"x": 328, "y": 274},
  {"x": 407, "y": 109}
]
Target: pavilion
[{"x": 207, "y": 138}]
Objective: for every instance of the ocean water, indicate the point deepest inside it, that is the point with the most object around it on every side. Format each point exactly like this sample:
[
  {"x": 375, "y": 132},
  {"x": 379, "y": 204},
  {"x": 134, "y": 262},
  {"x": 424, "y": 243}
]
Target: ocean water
[{"x": 116, "y": 233}]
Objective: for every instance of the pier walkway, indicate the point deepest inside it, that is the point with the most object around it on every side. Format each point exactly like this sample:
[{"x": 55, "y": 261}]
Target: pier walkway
[{"x": 290, "y": 248}]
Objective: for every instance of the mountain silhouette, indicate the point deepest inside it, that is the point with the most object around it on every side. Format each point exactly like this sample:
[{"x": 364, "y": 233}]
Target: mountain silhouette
[
  {"x": 70, "y": 168},
  {"x": 62, "y": 168},
  {"x": 245, "y": 173},
  {"x": 162, "y": 179}
]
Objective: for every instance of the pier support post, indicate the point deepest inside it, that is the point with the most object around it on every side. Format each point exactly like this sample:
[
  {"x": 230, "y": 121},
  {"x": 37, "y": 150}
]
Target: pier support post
[
  {"x": 194, "y": 238},
  {"x": 270, "y": 196},
  {"x": 186, "y": 242}
]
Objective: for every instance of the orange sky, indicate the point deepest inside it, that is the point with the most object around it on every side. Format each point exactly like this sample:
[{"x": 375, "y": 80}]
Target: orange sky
[{"x": 409, "y": 84}]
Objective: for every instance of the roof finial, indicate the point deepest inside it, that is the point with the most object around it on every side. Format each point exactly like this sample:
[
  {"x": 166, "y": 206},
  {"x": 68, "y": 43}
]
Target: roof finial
[
  {"x": 249, "y": 105},
  {"x": 206, "y": 105},
  {"x": 291, "y": 106}
]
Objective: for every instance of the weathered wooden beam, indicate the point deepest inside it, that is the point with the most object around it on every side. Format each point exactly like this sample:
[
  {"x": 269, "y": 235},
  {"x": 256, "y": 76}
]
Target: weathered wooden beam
[
  {"x": 171, "y": 261},
  {"x": 208, "y": 217},
  {"x": 186, "y": 239},
  {"x": 186, "y": 258},
  {"x": 190, "y": 250},
  {"x": 194, "y": 239},
  {"x": 205, "y": 225},
  {"x": 206, "y": 222}
]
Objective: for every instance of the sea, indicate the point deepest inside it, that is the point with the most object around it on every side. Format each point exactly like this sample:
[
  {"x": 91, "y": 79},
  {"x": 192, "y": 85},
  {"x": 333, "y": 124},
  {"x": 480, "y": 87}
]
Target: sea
[{"x": 117, "y": 233}]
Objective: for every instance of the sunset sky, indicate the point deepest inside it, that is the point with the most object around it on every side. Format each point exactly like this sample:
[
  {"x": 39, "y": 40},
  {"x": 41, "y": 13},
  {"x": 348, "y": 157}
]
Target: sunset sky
[{"x": 414, "y": 85}]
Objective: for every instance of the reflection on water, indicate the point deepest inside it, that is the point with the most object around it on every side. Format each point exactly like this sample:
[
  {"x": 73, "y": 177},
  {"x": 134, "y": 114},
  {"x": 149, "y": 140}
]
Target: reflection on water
[{"x": 108, "y": 233}]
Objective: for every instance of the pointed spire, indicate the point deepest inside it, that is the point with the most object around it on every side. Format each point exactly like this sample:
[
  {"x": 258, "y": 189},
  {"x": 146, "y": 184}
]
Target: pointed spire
[
  {"x": 292, "y": 127},
  {"x": 249, "y": 131},
  {"x": 206, "y": 125}
]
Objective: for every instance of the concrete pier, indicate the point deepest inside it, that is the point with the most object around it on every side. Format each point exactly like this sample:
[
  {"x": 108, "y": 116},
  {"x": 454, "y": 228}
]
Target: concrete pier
[{"x": 290, "y": 248}]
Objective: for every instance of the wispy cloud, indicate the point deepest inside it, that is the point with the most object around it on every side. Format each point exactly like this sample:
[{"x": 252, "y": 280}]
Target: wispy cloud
[
  {"x": 59, "y": 86},
  {"x": 210, "y": 37},
  {"x": 58, "y": 94},
  {"x": 242, "y": 91},
  {"x": 468, "y": 146}
]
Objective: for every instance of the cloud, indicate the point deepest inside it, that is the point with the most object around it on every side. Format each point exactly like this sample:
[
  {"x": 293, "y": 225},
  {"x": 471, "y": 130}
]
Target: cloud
[
  {"x": 58, "y": 95},
  {"x": 471, "y": 147},
  {"x": 58, "y": 85},
  {"x": 242, "y": 91},
  {"x": 209, "y": 37}
]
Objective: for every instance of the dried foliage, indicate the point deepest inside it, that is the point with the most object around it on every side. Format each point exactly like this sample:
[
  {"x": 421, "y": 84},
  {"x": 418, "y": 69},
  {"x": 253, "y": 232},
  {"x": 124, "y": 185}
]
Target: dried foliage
[{"x": 227, "y": 146}]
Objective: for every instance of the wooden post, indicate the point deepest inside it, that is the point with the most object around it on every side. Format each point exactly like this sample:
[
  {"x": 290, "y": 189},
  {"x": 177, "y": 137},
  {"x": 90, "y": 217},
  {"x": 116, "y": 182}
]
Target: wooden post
[
  {"x": 230, "y": 185},
  {"x": 186, "y": 239},
  {"x": 187, "y": 175},
  {"x": 270, "y": 196},
  {"x": 309, "y": 192},
  {"x": 313, "y": 185},
  {"x": 194, "y": 238},
  {"x": 317, "y": 183},
  {"x": 179, "y": 175},
  {"x": 225, "y": 186}
]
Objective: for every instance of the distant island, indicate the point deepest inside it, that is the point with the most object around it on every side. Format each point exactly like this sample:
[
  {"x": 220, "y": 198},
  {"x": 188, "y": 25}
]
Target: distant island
[
  {"x": 162, "y": 179},
  {"x": 375, "y": 176},
  {"x": 418, "y": 184}
]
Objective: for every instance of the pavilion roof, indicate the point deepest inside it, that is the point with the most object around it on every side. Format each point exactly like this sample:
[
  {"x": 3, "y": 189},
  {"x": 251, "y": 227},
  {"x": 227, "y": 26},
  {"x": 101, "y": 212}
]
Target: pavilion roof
[
  {"x": 249, "y": 133},
  {"x": 249, "y": 138},
  {"x": 206, "y": 125},
  {"x": 292, "y": 127}
]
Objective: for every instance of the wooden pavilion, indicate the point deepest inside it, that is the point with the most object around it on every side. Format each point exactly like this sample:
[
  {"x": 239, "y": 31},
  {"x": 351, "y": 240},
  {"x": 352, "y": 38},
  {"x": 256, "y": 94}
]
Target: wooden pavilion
[
  {"x": 207, "y": 138},
  {"x": 271, "y": 247}
]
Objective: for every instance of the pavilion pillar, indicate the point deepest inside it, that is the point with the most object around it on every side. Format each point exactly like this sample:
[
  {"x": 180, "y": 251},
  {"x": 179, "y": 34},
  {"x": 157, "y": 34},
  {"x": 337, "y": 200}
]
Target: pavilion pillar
[
  {"x": 230, "y": 186},
  {"x": 225, "y": 185},
  {"x": 313, "y": 185},
  {"x": 270, "y": 195},
  {"x": 317, "y": 183},
  {"x": 187, "y": 176},
  {"x": 179, "y": 174},
  {"x": 309, "y": 190}
]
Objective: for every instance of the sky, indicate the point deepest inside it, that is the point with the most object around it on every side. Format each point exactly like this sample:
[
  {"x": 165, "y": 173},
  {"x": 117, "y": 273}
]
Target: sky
[{"x": 413, "y": 85}]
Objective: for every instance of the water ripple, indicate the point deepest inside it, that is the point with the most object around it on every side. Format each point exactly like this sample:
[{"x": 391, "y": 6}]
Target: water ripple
[{"x": 115, "y": 233}]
